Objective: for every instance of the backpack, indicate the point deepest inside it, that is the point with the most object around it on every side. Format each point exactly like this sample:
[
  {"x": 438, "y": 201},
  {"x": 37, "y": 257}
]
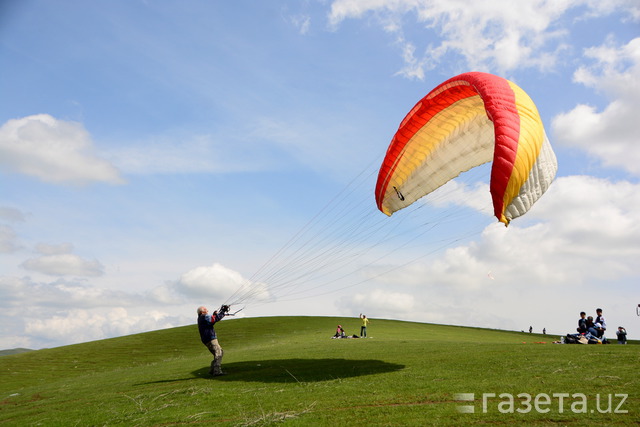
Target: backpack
[{"x": 571, "y": 339}]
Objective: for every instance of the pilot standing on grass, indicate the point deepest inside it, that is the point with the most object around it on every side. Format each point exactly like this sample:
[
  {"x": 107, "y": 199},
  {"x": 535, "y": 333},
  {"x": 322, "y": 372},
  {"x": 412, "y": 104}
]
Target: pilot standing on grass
[{"x": 209, "y": 338}]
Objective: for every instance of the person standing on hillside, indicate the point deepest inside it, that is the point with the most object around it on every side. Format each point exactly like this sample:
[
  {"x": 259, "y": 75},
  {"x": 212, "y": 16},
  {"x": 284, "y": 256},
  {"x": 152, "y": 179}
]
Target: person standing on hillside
[
  {"x": 363, "y": 328},
  {"x": 622, "y": 335},
  {"x": 209, "y": 338}
]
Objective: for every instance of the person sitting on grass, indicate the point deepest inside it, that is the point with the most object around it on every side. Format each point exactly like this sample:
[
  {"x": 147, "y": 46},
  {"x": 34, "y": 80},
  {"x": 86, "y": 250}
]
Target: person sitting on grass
[
  {"x": 601, "y": 324},
  {"x": 582, "y": 323},
  {"x": 591, "y": 327},
  {"x": 340, "y": 333}
]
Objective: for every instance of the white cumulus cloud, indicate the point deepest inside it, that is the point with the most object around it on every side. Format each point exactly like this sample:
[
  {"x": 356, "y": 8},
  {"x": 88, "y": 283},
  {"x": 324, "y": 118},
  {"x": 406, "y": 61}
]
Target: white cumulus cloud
[
  {"x": 501, "y": 35},
  {"x": 64, "y": 265},
  {"x": 8, "y": 240},
  {"x": 71, "y": 312},
  {"x": 608, "y": 135},
  {"x": 11, "y": 214},
  {"x": 53, "y": 150},
  {"x": 88, "y": 325},
  {"x": 217, "y": 282}
]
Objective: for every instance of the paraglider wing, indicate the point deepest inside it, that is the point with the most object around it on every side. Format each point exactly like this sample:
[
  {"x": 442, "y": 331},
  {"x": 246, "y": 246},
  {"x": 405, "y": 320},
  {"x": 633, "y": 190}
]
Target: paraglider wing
[{"x": 466, "y": 121}]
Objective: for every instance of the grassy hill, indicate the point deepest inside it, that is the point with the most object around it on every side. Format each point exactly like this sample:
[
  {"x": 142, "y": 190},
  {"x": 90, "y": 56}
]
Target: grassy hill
[
  {"x": 287, "y": 369},
  {"x": 14, "y": 351}
]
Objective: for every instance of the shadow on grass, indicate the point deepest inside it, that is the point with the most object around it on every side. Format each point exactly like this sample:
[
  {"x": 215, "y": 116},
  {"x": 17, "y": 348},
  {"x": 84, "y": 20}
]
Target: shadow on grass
[{"x": 298, "y": 370}]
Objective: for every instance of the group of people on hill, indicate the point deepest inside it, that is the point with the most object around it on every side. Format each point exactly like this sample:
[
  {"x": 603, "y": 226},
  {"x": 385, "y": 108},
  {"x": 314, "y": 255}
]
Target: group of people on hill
[
  {"x": 206, "y": 322},
  {"x": 341, "y": 333},
  {"x": 589, "y": 325},
  {"x": 592, "y": 329}
]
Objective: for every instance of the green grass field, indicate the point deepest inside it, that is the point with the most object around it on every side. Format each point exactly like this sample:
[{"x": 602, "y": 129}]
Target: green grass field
[{"x": 287, "y": 369}]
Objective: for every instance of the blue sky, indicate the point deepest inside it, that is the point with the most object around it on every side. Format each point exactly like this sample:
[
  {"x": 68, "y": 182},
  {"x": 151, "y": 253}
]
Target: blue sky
[{"x": 154, "y": 155}]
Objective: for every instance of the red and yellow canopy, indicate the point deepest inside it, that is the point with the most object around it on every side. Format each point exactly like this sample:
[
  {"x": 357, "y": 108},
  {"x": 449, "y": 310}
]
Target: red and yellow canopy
[{"x": 464, "y": 122}]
